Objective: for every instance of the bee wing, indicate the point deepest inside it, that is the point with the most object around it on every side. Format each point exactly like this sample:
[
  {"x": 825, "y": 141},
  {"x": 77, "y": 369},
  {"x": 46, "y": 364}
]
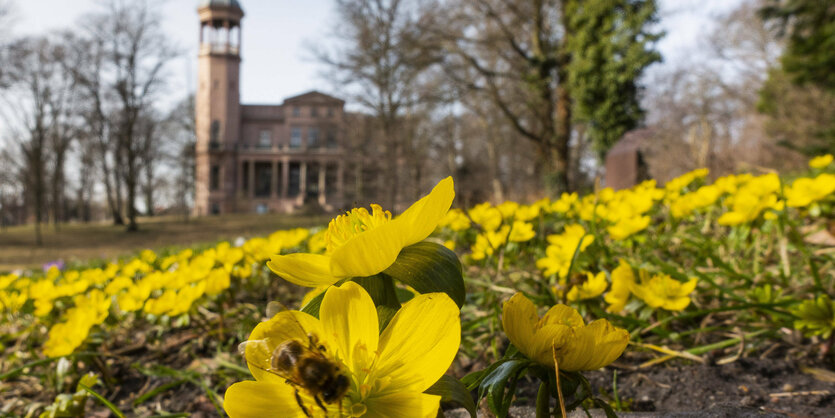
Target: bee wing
[{"x": 257, "y": 353}]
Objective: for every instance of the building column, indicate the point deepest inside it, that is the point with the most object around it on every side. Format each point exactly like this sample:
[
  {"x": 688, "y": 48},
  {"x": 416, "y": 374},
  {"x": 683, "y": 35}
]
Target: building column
[
  {"x": 251, "y": 187},
  {"x": 323, "y": 169},
  {"x": 285, "y": 176},
  {"x": 274, "y": 180},
  {"x": 228, "y": 44},
  {"x": 302, "y": 179}
]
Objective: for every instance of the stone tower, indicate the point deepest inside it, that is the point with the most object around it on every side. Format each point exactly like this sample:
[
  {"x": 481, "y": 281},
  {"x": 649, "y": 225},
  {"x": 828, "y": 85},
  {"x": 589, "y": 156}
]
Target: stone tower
[{"x": 217, "y": 106}]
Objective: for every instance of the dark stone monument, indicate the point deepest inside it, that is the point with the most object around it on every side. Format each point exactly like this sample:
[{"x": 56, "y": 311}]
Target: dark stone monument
[{"x": 625, "y": 163}]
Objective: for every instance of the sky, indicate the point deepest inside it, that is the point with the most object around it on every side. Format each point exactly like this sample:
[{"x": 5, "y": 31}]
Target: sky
[{"x": 276, "y": 34}]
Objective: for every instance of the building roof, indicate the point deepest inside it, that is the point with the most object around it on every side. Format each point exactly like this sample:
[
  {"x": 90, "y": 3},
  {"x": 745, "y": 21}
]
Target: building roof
[
  {"x": 313, "y": 95},
  {"x": 220, "y": 3}
]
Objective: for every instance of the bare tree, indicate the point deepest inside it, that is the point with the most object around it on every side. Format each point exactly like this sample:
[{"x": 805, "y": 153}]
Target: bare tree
[
  {"x": 135, "y": 53},
  {"x": 379, "y": 61},
  {"x": 39, "y": 119}
]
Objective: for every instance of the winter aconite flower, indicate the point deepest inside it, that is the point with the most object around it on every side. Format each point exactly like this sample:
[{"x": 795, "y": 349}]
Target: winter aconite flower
[
  {"x": 662, "y": 291},
  {"x": 362, "y": 243},
  {"x": 577, "y": 346},
  {"x": 622, "y": 279},
  {"x": 821, "y": 161},
  {"x": 593, "y": 287},
  {"x": 387, "y": 374}
]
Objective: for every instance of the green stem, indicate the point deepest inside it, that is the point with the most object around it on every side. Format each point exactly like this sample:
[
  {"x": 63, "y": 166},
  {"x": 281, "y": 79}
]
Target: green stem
[{"x": 543, "y": 400}]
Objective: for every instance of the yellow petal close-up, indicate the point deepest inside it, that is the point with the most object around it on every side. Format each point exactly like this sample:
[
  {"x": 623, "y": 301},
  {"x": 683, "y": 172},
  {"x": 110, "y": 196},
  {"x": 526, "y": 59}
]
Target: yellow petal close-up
[
  {"x": 560, "y": 314},
  {"x": 420, "y": 219},
  {"x": 368, "y": 253},
  {"x": 403, "y": 404},
  {"x": 545, "y": 337},
  {"x": 519, "y": 320},
  {"x": 592, "y": 346},
  {"x": 251, "y": 399},
  {"x": 310, "y": 270},
  {"x": 349, "y": 319},
  {"x": 419, "y": 344}
]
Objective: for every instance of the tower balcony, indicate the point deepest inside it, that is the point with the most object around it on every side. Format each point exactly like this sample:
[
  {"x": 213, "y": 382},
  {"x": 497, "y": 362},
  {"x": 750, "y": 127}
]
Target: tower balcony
[{"x": 219, "y": 49}]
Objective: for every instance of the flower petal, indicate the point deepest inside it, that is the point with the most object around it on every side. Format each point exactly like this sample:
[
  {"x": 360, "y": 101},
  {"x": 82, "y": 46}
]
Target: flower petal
[
  {"x": 259, "y": 399},
  {"x": 562, "y": 315},
  {"x": 592, "y": 347},
  {"x": 519, "y": 320},
  {"x": 349, "y": 319},
  {"x": 546, "y": 337},
  {"x": 303, "y": 269},
  {"x": 420, "y": 219},
  {"x": 419, "y": 344},
  {"x": 270, "y": 334},
  {"x": 403, "y": 404},
  {"x": 368, "y": 253}
]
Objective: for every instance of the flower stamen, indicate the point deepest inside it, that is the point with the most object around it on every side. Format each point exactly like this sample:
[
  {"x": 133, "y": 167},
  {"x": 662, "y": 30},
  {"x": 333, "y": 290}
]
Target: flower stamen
[{"x": 358, "y": 220}]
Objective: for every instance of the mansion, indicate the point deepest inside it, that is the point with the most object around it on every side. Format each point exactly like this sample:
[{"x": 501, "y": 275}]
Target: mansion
[{"x": 259, "y": 158}]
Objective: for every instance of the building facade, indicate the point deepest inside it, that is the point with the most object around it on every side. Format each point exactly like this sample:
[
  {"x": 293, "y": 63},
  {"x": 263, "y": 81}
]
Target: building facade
[{"x": 259, "y": 158}]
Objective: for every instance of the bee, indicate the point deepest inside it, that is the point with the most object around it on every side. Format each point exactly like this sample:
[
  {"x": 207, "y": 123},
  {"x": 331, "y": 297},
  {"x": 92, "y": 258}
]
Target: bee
[{"x": 303, "y": 365}]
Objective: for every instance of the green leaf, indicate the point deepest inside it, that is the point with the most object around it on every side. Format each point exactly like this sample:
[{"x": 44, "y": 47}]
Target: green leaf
[
  {"x": 382, "y": 291},
  {"x": 101, "y": 399},
  {"x": 312, "y": 307},
  {"x": 503, "y": 376},
  {"x": 430, "y": 267},
  {"x": 452, "y": 390},
  {"x": 607, "y": 409}
]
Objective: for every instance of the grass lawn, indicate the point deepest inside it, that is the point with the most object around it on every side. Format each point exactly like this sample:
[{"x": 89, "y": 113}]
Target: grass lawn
[{"x": 82, "y": 242}]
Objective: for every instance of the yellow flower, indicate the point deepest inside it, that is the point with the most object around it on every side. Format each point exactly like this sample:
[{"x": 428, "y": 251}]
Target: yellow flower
[
  {"x": 521, "y": 232},
  {"x": 578, "y": 346},
  {"x": 805, "y": 191},
  {"x": 559, "y": 254},
  {"x": 387, "y": 373},
  {"x": 487, "y": 216},
  {"x": 456, "y": 220},
  {"x": 662, "y": 291},
  {"x": 593, "y": 287},
  {"x": 566, "y": 202},
  {"x": 821, "y": 161},
  {"x": 361, "y": 244},
  {"x": 489, "y": 241},
  {"x": 622, "y": 279},
  {"x": 627, "y": 227}
]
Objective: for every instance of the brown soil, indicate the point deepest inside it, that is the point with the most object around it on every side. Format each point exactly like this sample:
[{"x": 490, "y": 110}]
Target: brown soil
[{"x": 769, "y": 385}]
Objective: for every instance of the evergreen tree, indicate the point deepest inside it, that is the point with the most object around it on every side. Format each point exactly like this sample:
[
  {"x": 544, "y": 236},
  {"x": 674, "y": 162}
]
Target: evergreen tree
[
  {"x": 809, "y": 26},
  {"x": 610, "y": 44}
]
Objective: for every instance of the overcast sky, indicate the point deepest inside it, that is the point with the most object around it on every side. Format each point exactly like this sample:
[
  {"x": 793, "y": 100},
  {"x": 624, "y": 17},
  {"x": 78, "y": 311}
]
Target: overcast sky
[{"x": 275, "y": 63}]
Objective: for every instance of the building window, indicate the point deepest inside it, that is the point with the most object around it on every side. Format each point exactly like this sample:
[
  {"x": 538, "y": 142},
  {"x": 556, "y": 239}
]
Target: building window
[
  {"x": 313, "y": 138},
  {"x": 294, "y": 183},
  {"x": 314, "y": 111},
  {"x": 215, "y": 210},
  {"x": 331, "y": 176},
  {"x": 263, "y": 178},
  {"x": 265, "y": 140},
  {"x": 295, "y": 137},
  {"x": 245, "y": 176},
  {"x": 330, "y": 139},
  {"x": 214, "y": 136},
  {"x": 279, "y": 178},
  {"x": 312, "y": 187},
  {"x": 214, "y": 178},
  {"x": 297, "y": 111},
  {"x": 330, "y": 111}
]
